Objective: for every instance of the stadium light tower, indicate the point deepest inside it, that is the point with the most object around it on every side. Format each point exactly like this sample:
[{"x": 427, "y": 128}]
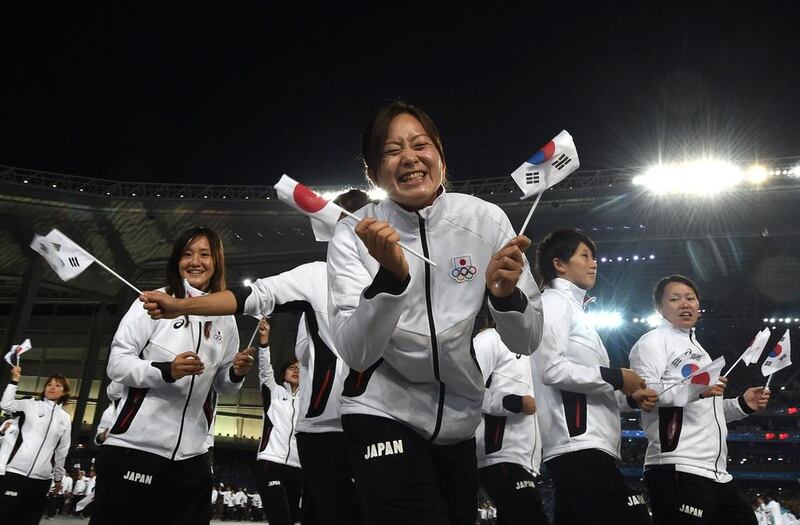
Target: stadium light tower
[{"x": 702, "y": 177}]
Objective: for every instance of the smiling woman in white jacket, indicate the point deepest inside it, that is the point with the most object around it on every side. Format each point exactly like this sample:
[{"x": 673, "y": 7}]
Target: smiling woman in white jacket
[
  {"x": 169, "y": 371},
  {"x": 41, "y": 447},
  {"x": 413, "y": 401},
  {"x": 685, "y": 465}
]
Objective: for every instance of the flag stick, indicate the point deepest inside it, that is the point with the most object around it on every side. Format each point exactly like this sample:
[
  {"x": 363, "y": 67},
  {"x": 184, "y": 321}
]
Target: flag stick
[
  {"x": 115, "y": 274},
  {"x": 530, "y": 214},
  {"x": 769, "y": 378},
  {"x": 400, "y": 244},
  {"x": 253, "y": 337},
  {"x": 734, "y": 364}
]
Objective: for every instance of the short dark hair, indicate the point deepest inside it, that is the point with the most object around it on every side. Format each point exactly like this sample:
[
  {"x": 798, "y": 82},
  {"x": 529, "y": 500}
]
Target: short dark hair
[
  {"x": 64, "y": 383},
  {"x": 352, "y": 200},
  {"x": 174, "y": 279},
  {"x": 658, "y": 291},
  {"x": 377, "y": 128},
  {"x": 559, "y": 244},
  {"x": 282, "y": 373}
]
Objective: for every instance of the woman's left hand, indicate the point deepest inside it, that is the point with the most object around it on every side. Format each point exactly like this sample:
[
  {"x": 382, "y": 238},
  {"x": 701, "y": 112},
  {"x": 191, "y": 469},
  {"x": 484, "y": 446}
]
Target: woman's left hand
[
  {"x": 243, "y": 362},
  {"x": 505, "y": 267},
  {"x": 756, "y": 397}
]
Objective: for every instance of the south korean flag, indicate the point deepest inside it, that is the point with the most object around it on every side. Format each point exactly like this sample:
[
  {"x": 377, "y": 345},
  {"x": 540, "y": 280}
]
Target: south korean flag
[{"x": 547, "y": 167}]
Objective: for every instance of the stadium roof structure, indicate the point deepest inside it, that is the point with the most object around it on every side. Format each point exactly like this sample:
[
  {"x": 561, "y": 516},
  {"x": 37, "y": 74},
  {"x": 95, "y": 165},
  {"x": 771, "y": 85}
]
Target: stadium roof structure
[{"x": 741, "y": 245}]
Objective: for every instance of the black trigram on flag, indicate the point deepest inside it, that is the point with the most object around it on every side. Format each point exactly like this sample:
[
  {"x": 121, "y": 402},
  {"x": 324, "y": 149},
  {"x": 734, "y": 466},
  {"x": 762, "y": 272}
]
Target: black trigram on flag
[
  {"x": 561, "y": 161},
  {"x": 532, "y": 177},
  {"x": 74, "y": 262},
  {"x": 57, "y": 246}
]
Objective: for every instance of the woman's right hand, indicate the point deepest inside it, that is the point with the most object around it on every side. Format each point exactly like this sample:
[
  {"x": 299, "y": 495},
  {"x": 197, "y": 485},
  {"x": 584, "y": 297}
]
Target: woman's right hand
[
  {"x": 716, "y": 390},
  {"x": 16, "y": 372},
  {"x": 381, "y": 241},
  {"x": 263, "y": 333},
  {"x": 160, "y": 305},
  {"x": 186, "y": 364}
]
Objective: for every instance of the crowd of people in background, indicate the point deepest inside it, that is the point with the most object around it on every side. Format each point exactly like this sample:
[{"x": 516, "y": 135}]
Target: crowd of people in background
[{"x": 412, "y": 386}]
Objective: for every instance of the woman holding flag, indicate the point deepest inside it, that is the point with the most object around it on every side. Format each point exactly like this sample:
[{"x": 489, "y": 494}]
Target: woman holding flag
[
  {"x": 413, "y": 401},
  {"x": 685, "y": 465},
  {"x": 169, "y": 370}
]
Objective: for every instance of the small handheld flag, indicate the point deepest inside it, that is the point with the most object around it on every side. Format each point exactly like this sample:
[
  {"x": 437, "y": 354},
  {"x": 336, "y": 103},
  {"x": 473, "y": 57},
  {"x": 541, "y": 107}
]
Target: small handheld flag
[
  {"x": 779, "y": 357},
  {"x": 698, "y": 380},
  {"x": 13, "y": 356},
  {"x": 67, "y": 258},
  {"x": 323, "y": 214},
  {"x": 544, "y": 169},
  {"x": 753, "y": 352}
]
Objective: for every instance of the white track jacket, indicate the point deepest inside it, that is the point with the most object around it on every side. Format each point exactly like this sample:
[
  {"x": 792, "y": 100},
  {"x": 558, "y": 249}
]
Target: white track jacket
[{"x": 281, "y": 409}]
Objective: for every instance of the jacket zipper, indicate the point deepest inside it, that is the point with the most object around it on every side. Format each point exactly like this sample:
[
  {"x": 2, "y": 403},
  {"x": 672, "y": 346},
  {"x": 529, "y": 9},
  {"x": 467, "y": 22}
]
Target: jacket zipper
[
  {"x": 189, "y": 396},
  {"x": 44, "y": 439},
  {"x": 716, "y": 420},
  {"x": 291, "y": 433},
  {"x": 434, "y": 342}
]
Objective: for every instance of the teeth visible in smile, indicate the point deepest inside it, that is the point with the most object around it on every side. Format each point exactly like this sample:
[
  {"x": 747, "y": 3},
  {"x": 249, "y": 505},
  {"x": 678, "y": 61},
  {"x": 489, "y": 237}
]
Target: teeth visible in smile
[{"x": 411, "y": 177}]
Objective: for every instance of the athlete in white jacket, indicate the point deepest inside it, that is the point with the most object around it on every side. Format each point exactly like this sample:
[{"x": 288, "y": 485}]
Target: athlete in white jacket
[
  {"x": 508, "y": 441},
  {"x": 406, "y": 327},
  {"x": 41, "y": 447},
  {"x": 170, "y": 370},
  {"x": 578, "y": 394},
  {"x": 685, "y": 465},
  {"x": 9, "y": 429},
  {"x": 280, "y": 477}
]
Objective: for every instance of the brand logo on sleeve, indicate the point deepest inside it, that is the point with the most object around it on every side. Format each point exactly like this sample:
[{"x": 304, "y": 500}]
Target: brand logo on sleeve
[{"x": 463, "y": 269}]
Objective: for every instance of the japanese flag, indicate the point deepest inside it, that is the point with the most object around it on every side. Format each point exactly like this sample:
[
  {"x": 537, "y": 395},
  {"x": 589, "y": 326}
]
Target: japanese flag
[
  {"x": 548, "y": 166},
  {"x": 323, "y": 214},
  {"x": 779, "y": 357},
  {"x": 65, "y": 257},
  {"x": 753, "y": 351},
  {"x": 13, "y": 355}
]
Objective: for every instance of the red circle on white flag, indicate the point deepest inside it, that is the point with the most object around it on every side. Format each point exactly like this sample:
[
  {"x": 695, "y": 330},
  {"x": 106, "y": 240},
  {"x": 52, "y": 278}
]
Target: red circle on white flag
[{"x": 307, "y": 200}]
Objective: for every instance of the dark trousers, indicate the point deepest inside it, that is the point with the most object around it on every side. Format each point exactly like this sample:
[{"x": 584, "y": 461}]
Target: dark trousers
[
  {"x": 404, "y": 479},
  {"x": 280, "y": 486},
  {"x": 135, "y": 487},
  {"x": 330, "y": 497},
  {"x": 22, "y": 499},
  {"x": 514, "y": 493},
  {"x": 590, "y": 490},
  {"x": 679, "y": 498}
]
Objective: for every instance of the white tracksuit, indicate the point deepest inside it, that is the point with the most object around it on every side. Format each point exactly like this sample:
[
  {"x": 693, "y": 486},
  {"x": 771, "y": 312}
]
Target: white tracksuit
[
  {"x": 156, "y": 414},
  {"x": 411, "y": 341},
  {"x": 278, "y": 443},
  {"x": 691, "y": 437},
  {"x": 305, "y": 289},
  {"x": 504, "y": 436},
  {"x": 577, "y": 407},
  {"x": 7, "y": 442},
  {"x": 45, "y": 432}
]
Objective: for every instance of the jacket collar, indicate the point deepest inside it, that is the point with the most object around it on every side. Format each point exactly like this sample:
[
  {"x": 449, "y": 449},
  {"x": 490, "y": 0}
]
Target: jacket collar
[
  {"x": 683, "y": 331},
  {"x": 191, "y": 291},
  {"x": 575, "y": 293},
  {"x": 409, "y": 220}
]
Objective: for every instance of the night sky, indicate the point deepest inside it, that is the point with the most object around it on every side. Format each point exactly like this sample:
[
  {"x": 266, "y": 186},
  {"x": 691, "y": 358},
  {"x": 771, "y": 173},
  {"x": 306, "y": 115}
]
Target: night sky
[{"x": 241, "y": 93}]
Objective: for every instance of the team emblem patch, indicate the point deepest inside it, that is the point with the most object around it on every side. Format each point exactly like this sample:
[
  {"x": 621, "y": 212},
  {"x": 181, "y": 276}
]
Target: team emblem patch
[
  {"x": 218, "y": 336},
  {"x": 463, "y": 270}
]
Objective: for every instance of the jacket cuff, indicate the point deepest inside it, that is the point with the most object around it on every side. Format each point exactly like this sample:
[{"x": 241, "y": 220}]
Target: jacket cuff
[
  {"x": 632, "y": 402},
  {"x": 516, "y": 302},
  {"x": 513, "y": 403},
  {"x": 265, "y": 347},
  {"x": 612, "y": 376},
  {"x": 165, "y": 367},
  {"x": 743, "y": 405},
  {"x": 386, "y": 282},
  {"x": 15, "y": 383},
  {"x": 240, "y": 293},
  {"x": 233, "y": 377}
]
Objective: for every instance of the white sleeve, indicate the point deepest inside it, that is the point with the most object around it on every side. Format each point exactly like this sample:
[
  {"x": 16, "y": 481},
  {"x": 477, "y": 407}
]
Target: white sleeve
[
  {"x": 222, "y": 380},
  {"x": 266, "y": 374},
  {"x": 363, "y": 310},
  {"x": 557, "y": 370},
  {"x": 60, "y": 456},
  {"x": 124, "y": 364},
  {"x": 9, "y": 404},
  {"x": 270, "y": 292},
  {"x": 733, "y": 410}
]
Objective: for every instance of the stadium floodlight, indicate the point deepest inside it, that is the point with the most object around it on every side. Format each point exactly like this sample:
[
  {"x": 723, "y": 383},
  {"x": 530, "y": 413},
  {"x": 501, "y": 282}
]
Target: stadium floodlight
[
  {"x": 603, "y": 259},
  {"x": 247, "y": 282},
  {"x": 376, "y": 194},
  {"x": 772, "y": 320},
  {"x": 702, "y": 177},
  {"x": 635, "y": 257},
  {"x": 605, "y": 319},
  {"x": 757, "y": 174}
]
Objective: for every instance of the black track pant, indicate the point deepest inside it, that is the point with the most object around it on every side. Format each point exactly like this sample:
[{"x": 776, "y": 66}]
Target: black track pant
[
  {"x": 135, "y": 487},
  {"x": 280, "y": 486},
  {"x": 590, "y": 490},
  {"x": 331, "y": 497},
  {"x": 22, "y": 499},
  {"x": 514, "y": 493},
  {"x": 679, "y": 498},
  {"x": 404, "y": 479}
]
